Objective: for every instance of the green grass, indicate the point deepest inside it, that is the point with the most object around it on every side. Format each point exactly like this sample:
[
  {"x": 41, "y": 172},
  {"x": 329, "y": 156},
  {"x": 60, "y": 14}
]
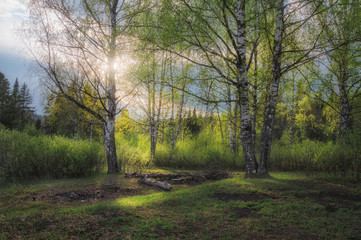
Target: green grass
[
  {"x": 286, "y": 206},
  {"x": 200, "y": 151}
]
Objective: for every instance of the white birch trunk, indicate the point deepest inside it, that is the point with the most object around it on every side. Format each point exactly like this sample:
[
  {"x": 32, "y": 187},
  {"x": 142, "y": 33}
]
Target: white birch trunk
[
  {"x": 269, "y": 115},
  {"x": 109, "y": 127},
  {"x": 242, "y": 88},
  {"x": 155, "y": 110}
]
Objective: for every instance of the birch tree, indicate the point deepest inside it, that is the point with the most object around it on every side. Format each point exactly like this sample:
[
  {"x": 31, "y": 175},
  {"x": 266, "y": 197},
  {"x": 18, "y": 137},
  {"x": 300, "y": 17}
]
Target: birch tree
[
  {"x": 268, "y": 119},
  {"x": 82, "y": 42},
  {"x": 289, "y": 50},
  {"x": 175, "y": 129},
  {"x": 338, "y": 71}
]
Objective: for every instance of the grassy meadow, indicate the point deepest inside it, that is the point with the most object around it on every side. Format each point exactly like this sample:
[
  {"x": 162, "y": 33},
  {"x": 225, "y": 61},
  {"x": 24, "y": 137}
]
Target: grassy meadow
[{"x": 285, "y": 206}]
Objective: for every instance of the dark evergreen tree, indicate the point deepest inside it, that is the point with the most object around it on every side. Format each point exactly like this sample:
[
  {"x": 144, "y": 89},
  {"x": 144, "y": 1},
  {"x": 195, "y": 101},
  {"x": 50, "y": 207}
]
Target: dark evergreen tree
[
  {"x": 4, "y": 100},
  {"x": 192, "y": 122},
  {"x": 24, "y": 106},
  {"x": 38, "y": 124},
  {"x": 14, "y": 106}
]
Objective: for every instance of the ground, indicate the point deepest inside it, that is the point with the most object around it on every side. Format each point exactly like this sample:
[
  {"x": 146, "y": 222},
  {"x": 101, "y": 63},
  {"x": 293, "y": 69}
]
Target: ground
[{"x": 285, "y": 206}]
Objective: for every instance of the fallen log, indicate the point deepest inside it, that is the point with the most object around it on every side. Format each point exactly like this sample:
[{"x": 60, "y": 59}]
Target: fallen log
[
  {"x": 163, "y": 185},
  {"x": 176, "y": 178},
  {"x": 167, "y": 176}
]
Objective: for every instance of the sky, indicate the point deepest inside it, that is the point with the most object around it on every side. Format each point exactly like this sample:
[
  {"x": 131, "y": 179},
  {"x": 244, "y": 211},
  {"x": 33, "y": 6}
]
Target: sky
[{"x": 14, "y": 62}]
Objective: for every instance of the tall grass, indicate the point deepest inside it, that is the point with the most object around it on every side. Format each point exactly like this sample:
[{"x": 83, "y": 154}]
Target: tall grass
[
  {"x": 133, "y": 151},
  {"x": 297, "y": 157},
  {"x": 26, "y": 155},
  {"x": 201, "y": 151},
  {"x": 341, "y": 158}
]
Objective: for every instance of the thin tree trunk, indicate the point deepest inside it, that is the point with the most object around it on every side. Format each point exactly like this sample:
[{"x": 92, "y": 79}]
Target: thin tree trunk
[
  {"x": 159, "y": 111},
  {"x": 220, "y": 123},
  {"x": 163, "y": 132},
  {"x": 208, "y": 112},
  {"x": 151, "y": 110},
  {"x": 294, "y": 107},
  {"x": 292, "y": 127},
  {"x": 174, "y": 139},
  {"x": 269, "y": 115},
  {"x": 232, "y": 122},
  {"x": 75, "y": 129},
  {"x": 345, "y": 113},
  {"x": 235, "y": 127},
  {"x": 155, "y": 111},
  {"x": 172, "y": 116},
  {"x": 91, "y": 131},
  {"x": 242, "y": 88},
  {"x": 254, "y": 96},
  {"x": 172, "y": 124}
]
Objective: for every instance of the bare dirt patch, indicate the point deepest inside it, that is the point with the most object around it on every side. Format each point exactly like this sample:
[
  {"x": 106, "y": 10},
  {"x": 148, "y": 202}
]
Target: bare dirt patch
[
  {"x": 242, "y": 212},
  {"x": 333, "y": 199},
  {"x": 90, "y": 195},
  {"x": 245, "y": 197},
  {"x": 286, "y": 186}
]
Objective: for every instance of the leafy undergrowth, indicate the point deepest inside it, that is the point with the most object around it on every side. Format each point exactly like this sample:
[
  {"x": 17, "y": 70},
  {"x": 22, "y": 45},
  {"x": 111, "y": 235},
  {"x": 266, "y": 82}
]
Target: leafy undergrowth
[{"x": 286, "y": 206}]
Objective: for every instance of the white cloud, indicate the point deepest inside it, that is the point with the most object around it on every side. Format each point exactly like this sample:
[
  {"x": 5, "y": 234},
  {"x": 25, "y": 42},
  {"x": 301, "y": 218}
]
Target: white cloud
[
  {"x": 12, "y": 12},
  {"x": 9, "y": 6}
]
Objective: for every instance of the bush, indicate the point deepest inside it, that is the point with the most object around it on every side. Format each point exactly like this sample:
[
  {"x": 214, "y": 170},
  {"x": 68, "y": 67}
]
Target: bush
[{"x": 27, "y": 155}]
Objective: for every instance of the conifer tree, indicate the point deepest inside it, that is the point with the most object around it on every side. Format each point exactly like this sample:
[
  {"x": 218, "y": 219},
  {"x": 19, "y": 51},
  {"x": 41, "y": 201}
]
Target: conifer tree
[{"x": 4, "y": 100}]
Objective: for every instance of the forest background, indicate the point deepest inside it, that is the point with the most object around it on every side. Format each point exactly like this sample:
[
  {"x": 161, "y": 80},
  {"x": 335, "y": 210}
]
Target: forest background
[{"x": 254, "y": 85}]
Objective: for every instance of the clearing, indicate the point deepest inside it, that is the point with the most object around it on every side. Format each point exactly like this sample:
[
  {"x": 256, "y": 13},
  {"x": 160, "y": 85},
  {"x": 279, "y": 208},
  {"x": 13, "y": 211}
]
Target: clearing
[{"x": 286, "y": 206}]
